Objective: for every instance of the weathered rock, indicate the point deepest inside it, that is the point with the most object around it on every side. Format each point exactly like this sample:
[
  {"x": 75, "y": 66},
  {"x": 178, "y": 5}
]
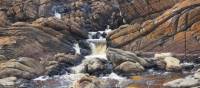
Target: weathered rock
[
  {"x": 167, "y": 62},
  {"x": 68, "y": 58},
  {"x": 23, "y": 67},
  {"x": 93, "y": 66},
  {"x": 162, "y": 55},
  {"x": 53, "y": 36},
  {"x": 93, "y": 82},
  {"x": 9, "y": 81},
  {"x": 182, "y": 83},
  {"x": 117, "y": 56},
  {"x": 3, "y": 58},
  {"x": 60, "y": 63},
  {"x": 129, "y": 68},
  {"x": 191, "y": 81},
  {"x": 168, "y": 32},
  {"x": 60, "y": 25},
  {"x": 172, "y": 64},
  {"x": 141, "y": 10},
  {"x": 96, "y": 65},
  {"x": 3, "y": 19}
]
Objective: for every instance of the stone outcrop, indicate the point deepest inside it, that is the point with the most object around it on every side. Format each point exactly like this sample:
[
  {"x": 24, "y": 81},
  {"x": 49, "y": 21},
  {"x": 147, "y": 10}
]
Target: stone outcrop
[
  {"x": 121, "y": 59},
  {"x": 176, "y": 31},
  {"x": 23, "y": 67},
  {"x": 87, "y": 14},
  {"x": 142, "y": 10},
  {"x": 45, "y": 36}
]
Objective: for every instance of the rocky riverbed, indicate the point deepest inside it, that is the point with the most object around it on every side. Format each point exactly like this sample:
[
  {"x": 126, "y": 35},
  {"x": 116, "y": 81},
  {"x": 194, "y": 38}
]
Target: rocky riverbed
[{"x": 99, "y": 43}]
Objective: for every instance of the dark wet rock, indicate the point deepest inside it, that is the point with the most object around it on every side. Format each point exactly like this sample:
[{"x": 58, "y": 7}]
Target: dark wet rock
[
  {"x": 84, "y": 44},
  {"x": 85, "y": 52},
  {"x": 24, "y": 83},
  {"x": 23, "y": 67},
  {"x": 58, "y": 69},
  {"x": 60, "y": 63},
  {"x": 118, "y": 56},
  {"x": 97, "y": 35}
]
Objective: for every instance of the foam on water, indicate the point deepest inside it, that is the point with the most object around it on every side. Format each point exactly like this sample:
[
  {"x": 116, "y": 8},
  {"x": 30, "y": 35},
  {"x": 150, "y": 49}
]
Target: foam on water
[
  {"x": 114, "y": 76},
  {"x": 77, "y": 48},
  {"x": 57, "y": 15}
]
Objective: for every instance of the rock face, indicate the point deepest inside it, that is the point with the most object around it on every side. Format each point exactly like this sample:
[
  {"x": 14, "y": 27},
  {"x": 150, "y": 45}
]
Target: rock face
[
  {"x": 23, "y": 67},
  {"x": 121, "y": 59},
  {"x": 141, "y": 10},
  {"x": 176, "y": 31},
  {"x": 86, "y": 14},
  {"x": 45, "y": 36}
]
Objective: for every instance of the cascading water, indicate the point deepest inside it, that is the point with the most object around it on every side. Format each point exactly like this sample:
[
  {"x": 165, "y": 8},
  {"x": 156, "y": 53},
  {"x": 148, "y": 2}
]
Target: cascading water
[{"x": 98, "y": 48}]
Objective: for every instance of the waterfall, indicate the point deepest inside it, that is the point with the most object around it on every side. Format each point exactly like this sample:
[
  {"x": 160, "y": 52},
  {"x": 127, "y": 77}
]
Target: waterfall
[
  {"x": 57, "y": 15},
  {"x": 77, "y": 48},
  {"x": 98, "y": 44}
]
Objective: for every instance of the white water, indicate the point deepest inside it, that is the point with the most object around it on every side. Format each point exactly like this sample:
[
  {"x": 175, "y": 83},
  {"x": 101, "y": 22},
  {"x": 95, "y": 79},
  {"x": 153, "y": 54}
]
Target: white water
[
  {"x": 57, "y": 15},
  {"x": 98, "y": 47},
  {"x": 77, "y": 48}
]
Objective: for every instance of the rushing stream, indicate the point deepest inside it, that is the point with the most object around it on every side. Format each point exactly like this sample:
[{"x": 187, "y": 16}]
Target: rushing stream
[{"x": 97, "y": 43}]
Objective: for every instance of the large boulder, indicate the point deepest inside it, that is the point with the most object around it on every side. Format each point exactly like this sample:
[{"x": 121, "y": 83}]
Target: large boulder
[
  {"x": 23, "y": 67},
  {"x": 176, "y": 31},
  {"x": 125, "y": 62},
  {"x": 9, "y": 81},
  {"x": 167, "y": 61},
  {"x": 118, "y": 56},
  {"x": 93, "y": 66},
  {"x": 129, "y": 68}
]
